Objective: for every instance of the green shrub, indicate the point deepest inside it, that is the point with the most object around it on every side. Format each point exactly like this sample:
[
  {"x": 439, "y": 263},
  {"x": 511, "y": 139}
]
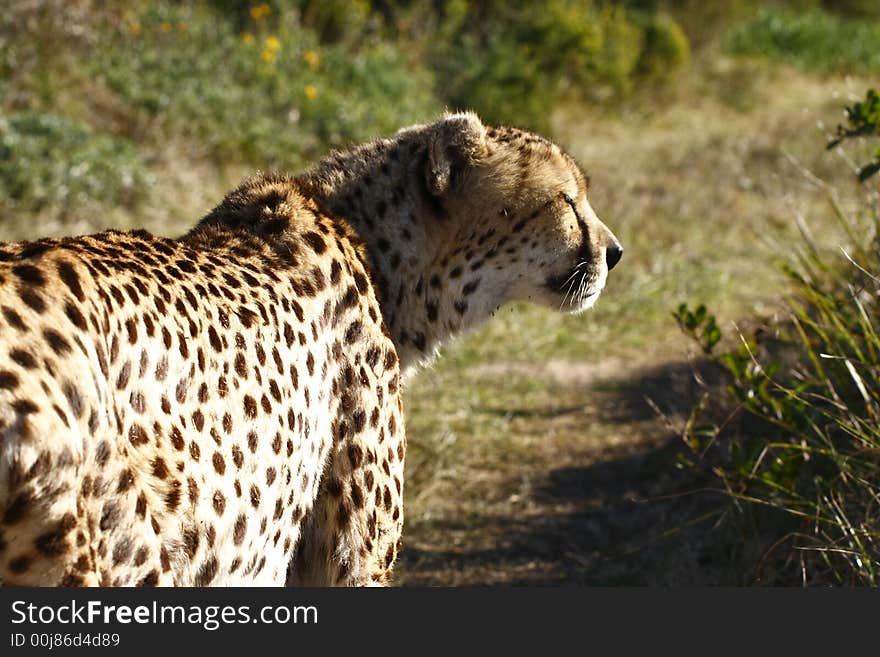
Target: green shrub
[
  {"x": 814, "y": 453},
  {"x": 276, "y": 84},
  {"x": 271, "y": 94},
  {"x": 863, "y": 120},
  {"x": 47, "y": 161},
  {"x": 497, "y": 78},
  {"x": 513, "y": 61},
  {"x": 811, "y": 40},
  {"x": 811, "y": 384},
  {"x": 666, "y": 48}
]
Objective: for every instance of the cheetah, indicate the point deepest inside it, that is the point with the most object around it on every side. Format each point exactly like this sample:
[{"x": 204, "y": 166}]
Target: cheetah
[{"x": 225, "y": 408}]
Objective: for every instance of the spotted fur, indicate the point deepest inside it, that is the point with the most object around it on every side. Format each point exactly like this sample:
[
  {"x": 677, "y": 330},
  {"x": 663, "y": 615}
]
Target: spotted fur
[{"x": 225, "y": 408}]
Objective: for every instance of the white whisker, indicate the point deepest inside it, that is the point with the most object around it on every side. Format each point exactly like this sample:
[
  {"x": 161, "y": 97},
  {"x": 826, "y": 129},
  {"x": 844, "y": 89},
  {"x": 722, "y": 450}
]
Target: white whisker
[
  {"x": 581, "y": 289},
  {"x": 570, "y": 287},
  {"x": 573, "y": 274}
]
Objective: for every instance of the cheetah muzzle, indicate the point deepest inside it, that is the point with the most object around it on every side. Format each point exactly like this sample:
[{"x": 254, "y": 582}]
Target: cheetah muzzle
[{"x": 225, "y": 408}]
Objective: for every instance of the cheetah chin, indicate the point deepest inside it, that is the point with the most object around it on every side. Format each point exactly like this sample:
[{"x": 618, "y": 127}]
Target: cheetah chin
[
  {"x": 579, "y": 291},
  {"x": 225, "y": 408}
]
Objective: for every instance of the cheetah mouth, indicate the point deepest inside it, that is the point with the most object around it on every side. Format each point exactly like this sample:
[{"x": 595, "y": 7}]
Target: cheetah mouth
[
  {"x": 581, "y": 302},
  {"x": 578, "y": 289}
]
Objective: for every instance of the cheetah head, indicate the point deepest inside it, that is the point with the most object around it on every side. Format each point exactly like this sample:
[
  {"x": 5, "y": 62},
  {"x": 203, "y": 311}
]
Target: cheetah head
[{"x": 526, "y": 200}]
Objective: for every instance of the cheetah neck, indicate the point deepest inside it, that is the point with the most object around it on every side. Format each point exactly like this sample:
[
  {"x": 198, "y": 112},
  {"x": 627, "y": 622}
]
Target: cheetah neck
[{"x": 429, "y": 278}]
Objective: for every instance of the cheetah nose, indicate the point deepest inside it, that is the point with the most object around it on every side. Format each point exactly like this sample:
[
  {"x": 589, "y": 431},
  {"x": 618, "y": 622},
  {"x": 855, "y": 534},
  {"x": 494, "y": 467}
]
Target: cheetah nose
[{"x": 613, "y": 254}]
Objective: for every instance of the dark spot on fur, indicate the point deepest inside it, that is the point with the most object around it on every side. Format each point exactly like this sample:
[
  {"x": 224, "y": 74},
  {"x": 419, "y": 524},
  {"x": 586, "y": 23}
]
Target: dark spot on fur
[
  {"x": 57, "y": 342},
  {"x": 315, "y": 241},
  {"x": 23, "y": 358},
  {"x": 150, "y": 579},
  {"x": 29, "y": 274}
]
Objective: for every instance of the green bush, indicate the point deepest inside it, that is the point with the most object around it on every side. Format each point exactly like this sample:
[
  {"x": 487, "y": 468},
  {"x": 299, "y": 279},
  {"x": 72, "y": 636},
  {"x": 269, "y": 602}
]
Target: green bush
[
  {"x": 811, "y": 40},
  {"x": 863, "y": 120},
  {"x": 666, "y": 48},
  {"x": 813, "y": 453},
  {"x": 513, "y": 61},
  {"x": 811, "y": 384},
  {"x": 276, "y": 84},
  {"x": 49, "y": 162},
  {"x": 271, "y": 94}
]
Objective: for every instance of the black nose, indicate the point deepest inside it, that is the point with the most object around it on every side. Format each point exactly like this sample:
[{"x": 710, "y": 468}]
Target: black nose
[{"x": 613, "y": 254}]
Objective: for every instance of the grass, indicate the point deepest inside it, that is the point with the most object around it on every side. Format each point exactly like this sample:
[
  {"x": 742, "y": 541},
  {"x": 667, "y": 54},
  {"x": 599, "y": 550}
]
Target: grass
[
  {"x": 811, "y": 40},
  {"x": 807, "y": 453},
  {"x": 803, "y": 464}
]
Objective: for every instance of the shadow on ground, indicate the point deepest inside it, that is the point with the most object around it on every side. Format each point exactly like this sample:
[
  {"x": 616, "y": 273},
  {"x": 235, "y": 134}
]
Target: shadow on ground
[{"x": 628, "y": 516}]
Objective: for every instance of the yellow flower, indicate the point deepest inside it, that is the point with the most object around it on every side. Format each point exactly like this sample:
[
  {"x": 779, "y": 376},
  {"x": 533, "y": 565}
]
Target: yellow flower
[
  {"x": 312, "y": 58},
  {"x": 260, "y": 11},
  {"x": 134, "y": 27},
  {"x": 165, "y": 27},
  {"x": 247, "y": 37},
  {"x": 311, "y": 92},
  {"x": 268, "y": 56},
  {"x": 181, "y": 27},
  {"x": 272, "y": 43}
]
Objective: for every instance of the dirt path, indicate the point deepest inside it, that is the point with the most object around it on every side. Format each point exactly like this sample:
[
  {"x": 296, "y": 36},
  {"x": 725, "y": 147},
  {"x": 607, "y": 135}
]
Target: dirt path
[{"x": 599, "y": 500}]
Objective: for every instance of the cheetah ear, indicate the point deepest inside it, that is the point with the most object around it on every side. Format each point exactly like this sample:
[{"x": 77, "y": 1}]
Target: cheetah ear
[{"x": 456, "y": 141}]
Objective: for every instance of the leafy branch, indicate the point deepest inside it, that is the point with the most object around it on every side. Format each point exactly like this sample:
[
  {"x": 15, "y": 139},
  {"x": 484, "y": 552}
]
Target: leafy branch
[{"x": 863, "y": 120}]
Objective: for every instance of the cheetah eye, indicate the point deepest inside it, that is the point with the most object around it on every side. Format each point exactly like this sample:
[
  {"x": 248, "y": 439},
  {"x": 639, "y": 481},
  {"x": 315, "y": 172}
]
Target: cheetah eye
[{"x": 568, "y": 199}]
